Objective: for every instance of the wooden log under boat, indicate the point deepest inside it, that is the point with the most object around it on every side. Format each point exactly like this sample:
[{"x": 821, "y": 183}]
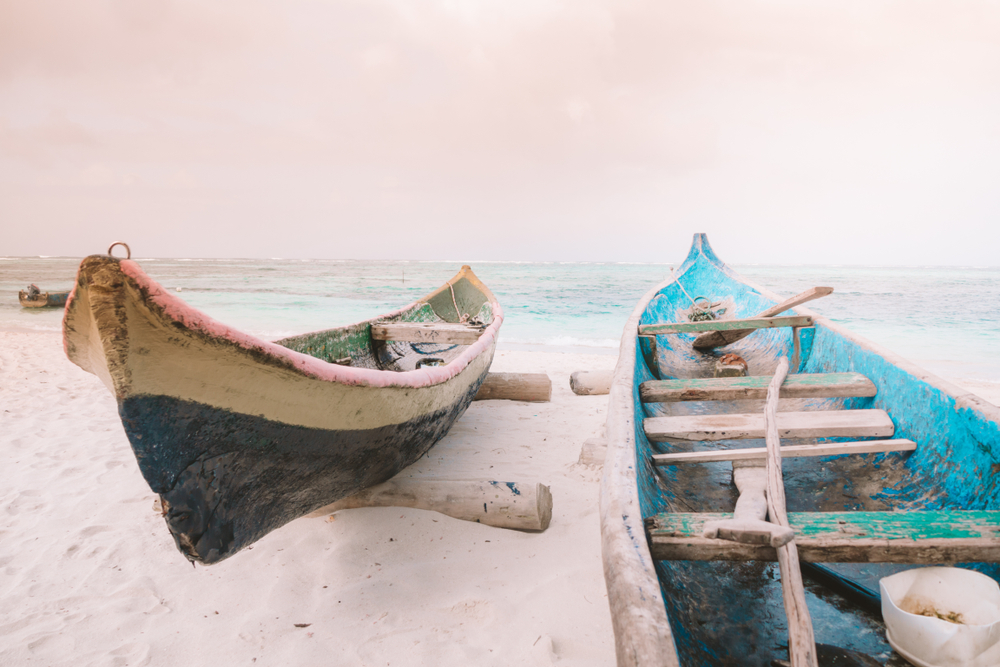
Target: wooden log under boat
[
  {"x": 239, "y": 435},
  {"x": 730, "y": 612}
]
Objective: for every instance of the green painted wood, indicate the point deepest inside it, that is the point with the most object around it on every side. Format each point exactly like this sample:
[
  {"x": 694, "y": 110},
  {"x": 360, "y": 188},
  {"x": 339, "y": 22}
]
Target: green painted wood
[
  {"x": 805, "y": 385},
  {"x": 912, "y": 525},
  {"x": 726, "y": 325}
]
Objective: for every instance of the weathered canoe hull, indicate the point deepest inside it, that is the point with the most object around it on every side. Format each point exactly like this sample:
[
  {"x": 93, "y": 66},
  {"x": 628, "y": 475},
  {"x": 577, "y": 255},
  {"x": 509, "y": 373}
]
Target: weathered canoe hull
[
  {"x": 42, "y": 299},
  {"x": 718, "y": 613},
  {"x": 240, "y": 436}
]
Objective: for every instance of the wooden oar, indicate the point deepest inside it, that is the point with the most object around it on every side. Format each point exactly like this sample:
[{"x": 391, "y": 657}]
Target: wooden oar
[
  {"x": 714, "y": 339},
  {"x": 801, "y": 644}
]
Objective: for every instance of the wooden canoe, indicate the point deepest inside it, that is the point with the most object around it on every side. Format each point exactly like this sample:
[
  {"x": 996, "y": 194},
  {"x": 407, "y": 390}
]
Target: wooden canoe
[
  {"x": 929, "y": 494},
  {"x": 35, "y": 298},
  {"x": 239, "y": 435}
]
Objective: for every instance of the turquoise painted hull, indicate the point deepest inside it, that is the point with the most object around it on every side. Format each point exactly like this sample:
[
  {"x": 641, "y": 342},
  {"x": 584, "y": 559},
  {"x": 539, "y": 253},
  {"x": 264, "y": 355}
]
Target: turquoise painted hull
[{"x": 724, "y": 613}]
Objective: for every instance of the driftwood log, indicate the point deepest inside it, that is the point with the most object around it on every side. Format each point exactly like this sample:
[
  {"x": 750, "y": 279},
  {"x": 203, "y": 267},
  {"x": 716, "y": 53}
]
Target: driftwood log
[
  {"x": 499, "y": 504},
  {"x": 591, "y": 383},
  {"x": 533, "y": 387},
  {"x": 593, "y": 451}
]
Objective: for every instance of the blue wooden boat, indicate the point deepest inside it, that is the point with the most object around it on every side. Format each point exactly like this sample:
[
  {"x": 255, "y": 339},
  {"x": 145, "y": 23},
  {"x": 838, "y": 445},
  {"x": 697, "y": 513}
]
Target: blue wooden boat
[
  {"x": 680, "y": 598},
  {"x": 239, "y": 435},
  {"x": 36, "y": 298}
]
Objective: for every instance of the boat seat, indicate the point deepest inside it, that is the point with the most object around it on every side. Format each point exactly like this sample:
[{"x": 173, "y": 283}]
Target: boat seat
[
  {"x": 787, "y": 452},
  {"x": 817, "y": 424},
  {"x": 427, "y": 332},
  {"x": 920, "y": 536},
  {"x": 804, "y": 385},
  {"x": 725, "y": 325}
]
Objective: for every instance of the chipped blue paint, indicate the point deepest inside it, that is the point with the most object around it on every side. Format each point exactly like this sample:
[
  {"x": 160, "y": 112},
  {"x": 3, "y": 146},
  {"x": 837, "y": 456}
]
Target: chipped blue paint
[{"x": 725, "y": 613}]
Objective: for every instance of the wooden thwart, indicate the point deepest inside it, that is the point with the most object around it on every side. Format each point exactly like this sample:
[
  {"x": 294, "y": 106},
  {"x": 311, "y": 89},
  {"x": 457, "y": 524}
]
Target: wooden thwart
[
  {"x": 427, "y": 332},
  {"x": 789, "y": 451},
  {"x": 725, "y": 325},
  {"x": 805, "y": 385},
  {"x": 920, "y": 537},
  {"x": 819, "y": 424}
]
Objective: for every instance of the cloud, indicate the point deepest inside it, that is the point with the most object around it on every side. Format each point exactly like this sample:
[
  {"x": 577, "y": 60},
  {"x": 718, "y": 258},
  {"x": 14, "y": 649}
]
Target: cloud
[{"x": 545, "y": 117}]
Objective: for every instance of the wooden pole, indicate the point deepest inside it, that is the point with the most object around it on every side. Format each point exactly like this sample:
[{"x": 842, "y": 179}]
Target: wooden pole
[
  {"x": 533, "y": 387},
  {"x": 499, "y": 504},
  {"x": 801, "y": 643},
  {"x": 590, "y": 383},
  {"x": 719, "y": 338}
]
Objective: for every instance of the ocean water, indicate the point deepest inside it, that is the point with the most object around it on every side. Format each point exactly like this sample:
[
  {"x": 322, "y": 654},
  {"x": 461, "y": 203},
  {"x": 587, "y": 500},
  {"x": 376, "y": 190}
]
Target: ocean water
[{"x": 947, "y": 319}]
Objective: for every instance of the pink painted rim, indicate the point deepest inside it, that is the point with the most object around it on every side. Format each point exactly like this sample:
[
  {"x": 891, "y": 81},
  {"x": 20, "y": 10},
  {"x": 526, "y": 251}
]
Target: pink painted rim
[{"x": 199, "y": 322}]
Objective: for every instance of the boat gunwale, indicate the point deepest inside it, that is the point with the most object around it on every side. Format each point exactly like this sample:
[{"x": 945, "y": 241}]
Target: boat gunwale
[
  {"x": 637, "y": 618},
  {"x": 198, "y": 323}
]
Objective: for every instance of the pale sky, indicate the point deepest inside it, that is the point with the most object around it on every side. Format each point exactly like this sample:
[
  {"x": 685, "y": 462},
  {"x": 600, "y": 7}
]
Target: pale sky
[{"x": 827, "y": 132}]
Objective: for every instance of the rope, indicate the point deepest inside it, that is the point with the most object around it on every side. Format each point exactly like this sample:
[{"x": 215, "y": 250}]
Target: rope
[{"x": 462, "y": 319}]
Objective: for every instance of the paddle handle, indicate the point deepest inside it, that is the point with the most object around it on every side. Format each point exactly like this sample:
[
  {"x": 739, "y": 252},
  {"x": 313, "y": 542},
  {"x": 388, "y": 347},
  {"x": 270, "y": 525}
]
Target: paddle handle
[
  {"x": 712, "y": 339},
  {"x": 797, "y": 300}
]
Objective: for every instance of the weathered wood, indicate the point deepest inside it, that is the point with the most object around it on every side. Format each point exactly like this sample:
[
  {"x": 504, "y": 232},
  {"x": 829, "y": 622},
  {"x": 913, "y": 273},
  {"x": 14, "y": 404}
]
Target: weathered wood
[
  {"x": 749, "y": 524},
  {"x": 750, "y": 324},
  {"x": 805, "y": 385},
  {"x": 532, "y": 387},
  {"x": 590, "y": 383},
  {"x": 593, "y": 452},
  {"x": 500, "y": 504},
  {"x": 819, "y": 424},
  {"x": 427, "y": 332},
  {"x": 787, "y": 452},
  {"x": 801, "y": 642},
  {"x": 721, "y": 337},
  {"x": 919, "y": 537}
]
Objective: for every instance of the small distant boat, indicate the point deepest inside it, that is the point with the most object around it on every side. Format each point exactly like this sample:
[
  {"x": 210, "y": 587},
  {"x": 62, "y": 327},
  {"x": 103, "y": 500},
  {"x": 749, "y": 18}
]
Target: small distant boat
[
  {"x": 893, "y": 467},
  {"x": 36, "y": 298},
  {"x": 239, "y": 435}
]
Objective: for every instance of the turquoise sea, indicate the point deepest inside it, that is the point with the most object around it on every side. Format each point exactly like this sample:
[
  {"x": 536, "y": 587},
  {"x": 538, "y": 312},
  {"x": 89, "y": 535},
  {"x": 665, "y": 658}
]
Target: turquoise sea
[{"x": 947, "y": 319}]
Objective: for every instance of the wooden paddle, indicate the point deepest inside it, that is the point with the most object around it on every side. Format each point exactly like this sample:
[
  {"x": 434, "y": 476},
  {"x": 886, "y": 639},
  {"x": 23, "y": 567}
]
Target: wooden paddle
[{"x": 714, "y": 339}]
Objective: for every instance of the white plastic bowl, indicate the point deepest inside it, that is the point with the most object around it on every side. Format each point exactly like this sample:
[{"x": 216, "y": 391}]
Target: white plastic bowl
[{"x": 914, "y": 603}]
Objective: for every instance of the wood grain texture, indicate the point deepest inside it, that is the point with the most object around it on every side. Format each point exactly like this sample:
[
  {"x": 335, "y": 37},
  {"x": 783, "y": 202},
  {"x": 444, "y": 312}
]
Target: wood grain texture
[
  {"x": 427, "y": 332},
  {"x": 820, "y": 424},
  {"x": 501, "y": 504},
  {"x": 532, "y": 387},
  {"x": 719, "y": 338},
  {"x": 750, "y": 324},
  {"x": 804, "y": 385},
  {"x": 923, "y": 537},
  {"x": 787, "y": 452}
]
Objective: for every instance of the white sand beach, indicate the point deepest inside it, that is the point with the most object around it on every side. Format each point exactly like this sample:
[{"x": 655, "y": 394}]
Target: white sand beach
[{"x": 89, "y": 574}]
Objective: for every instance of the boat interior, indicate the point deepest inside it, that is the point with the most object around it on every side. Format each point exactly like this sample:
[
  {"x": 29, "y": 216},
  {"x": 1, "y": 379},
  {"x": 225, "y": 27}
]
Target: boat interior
[
  {"x": 430, "y": 332},
  {"x": 868, "y": 471}
]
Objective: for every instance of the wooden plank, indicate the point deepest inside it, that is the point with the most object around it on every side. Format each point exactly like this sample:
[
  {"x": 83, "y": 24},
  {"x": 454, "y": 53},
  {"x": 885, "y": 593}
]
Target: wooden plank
[
  {"x": 932, "y": 536},
  {"x": 532, "y": 387},
  {"x": 804, "y": 385},
  {"x": 427, "y": 332},
  {"x": 787, "y": 452},
  {"x": 819, "y": 424},
  {"x": 726, "y": 325},
  {"x": 719, "y": 338}
]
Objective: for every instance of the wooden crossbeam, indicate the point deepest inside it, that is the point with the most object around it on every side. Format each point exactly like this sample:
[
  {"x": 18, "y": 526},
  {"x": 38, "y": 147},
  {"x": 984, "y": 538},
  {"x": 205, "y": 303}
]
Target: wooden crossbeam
[
  {"x": 819, "y": 424},
  {"x": 787, "y": 452},
  {"x": 805, "y": 385},
  {"x": 726, "y": 325},
  {"x": 427, "y": 332},
  {"x": 920, "y": 537}
]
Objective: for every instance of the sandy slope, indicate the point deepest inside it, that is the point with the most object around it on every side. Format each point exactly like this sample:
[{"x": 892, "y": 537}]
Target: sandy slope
[{"x": 89, "y": 574}]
